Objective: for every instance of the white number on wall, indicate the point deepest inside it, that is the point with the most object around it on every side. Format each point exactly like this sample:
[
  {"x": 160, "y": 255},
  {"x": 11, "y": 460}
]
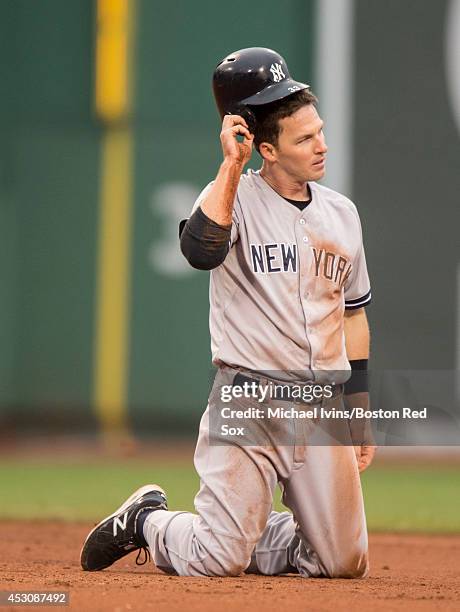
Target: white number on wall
[{"x": 170, "y": 203}]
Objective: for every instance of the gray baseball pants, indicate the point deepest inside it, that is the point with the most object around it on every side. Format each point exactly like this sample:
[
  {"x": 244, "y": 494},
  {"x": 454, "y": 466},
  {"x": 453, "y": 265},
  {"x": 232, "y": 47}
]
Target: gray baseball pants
[{"x": 235, "y": 529}]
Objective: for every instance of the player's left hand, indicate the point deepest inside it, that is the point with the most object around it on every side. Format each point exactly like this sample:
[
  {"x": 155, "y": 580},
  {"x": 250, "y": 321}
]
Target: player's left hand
[
  {"x": 364, "y": 455},
  {"x": 361, "y": 430}
]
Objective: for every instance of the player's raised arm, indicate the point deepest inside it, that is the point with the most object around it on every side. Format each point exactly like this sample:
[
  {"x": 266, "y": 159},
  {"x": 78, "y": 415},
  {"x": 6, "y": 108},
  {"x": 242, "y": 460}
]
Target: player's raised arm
[
  {"x": 218, "y": 204},
  {"x": 206, "y": 235}
]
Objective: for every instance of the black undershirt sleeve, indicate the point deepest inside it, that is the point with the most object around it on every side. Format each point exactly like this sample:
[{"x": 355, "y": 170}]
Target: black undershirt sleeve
[{"x": 203, "y": 242}]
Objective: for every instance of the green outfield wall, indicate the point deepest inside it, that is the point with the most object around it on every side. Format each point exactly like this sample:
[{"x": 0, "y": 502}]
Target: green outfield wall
[
  {"x": 405, "y": 182},
  {"x": 48, "y": 200}
]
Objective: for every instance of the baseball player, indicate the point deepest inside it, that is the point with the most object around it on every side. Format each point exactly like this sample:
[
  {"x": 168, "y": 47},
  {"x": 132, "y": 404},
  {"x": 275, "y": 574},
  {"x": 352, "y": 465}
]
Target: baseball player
[{"x": 288, "y": 288}]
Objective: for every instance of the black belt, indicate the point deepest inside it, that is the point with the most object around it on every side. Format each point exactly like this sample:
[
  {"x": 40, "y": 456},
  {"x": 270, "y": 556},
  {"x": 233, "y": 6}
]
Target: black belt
[{"x": 284, "y": 391}]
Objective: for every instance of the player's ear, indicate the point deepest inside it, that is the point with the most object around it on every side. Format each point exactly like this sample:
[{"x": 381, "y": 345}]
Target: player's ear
[{"x": 267, "y": 151}]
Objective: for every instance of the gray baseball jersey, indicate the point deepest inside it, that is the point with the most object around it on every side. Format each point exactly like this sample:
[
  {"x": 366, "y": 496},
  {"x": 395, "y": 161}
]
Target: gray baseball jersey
[
  {"x": 278, "y": 299},
  {"x": 277, "y": 303}
]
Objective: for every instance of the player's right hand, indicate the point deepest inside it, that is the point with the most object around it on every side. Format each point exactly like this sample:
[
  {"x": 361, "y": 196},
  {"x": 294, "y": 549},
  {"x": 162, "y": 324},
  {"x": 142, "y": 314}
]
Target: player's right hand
[{"x": 233, "y": 150}]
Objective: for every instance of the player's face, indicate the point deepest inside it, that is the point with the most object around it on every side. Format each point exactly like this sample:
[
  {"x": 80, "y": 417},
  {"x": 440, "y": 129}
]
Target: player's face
[{"x": 301, "y": 150}]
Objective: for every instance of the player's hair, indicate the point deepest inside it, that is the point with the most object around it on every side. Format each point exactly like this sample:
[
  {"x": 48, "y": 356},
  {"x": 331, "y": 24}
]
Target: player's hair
[{"x": 268, "y": 116}]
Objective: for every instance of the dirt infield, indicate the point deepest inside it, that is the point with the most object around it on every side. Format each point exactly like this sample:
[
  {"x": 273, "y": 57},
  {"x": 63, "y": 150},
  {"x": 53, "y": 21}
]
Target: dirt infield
[{"x": 408, "y": 572}]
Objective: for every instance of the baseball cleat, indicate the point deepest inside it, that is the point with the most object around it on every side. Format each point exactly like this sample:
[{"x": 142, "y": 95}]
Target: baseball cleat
[{"x": 116, "y": 535}]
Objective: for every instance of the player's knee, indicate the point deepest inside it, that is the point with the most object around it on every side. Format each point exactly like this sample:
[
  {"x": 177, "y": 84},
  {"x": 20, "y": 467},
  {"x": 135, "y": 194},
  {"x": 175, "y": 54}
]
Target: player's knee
[
  {"x": 235, "y": 567},
  {"x": 354, "y": 564},
  {"x": 357, "y": 567},
  {"x": 224, "y": 568},
  {"x": 228, "y": 562}
]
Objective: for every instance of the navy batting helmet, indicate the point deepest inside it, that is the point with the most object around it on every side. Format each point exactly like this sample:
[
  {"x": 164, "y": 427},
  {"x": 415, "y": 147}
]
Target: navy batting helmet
[{"x": 251, "y": 77}]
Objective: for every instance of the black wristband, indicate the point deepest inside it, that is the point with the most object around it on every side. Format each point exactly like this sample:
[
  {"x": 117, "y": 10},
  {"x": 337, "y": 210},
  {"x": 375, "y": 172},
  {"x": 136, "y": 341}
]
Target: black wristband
[{"x": 359, "y": 380}]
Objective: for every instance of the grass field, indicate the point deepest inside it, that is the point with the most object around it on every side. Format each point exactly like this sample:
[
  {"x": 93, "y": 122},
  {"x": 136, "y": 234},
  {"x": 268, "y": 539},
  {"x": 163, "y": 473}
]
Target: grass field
[{"x": 409, "y": 499}]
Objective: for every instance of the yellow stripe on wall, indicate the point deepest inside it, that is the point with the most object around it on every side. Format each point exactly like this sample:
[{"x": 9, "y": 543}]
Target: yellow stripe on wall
[
  {"x": 113, "y": 58},
  {"x": 114, "y": 50},
  {"x": 112, "y": 317}
]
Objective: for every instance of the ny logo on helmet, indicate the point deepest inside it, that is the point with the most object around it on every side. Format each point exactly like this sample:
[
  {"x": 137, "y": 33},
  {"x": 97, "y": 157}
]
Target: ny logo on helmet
[{"x": 277, "y": 72}]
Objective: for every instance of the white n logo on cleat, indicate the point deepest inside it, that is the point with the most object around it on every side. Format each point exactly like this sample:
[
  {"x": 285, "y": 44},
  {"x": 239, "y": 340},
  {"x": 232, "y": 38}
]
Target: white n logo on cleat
[{"x": 119, "y": 523}]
